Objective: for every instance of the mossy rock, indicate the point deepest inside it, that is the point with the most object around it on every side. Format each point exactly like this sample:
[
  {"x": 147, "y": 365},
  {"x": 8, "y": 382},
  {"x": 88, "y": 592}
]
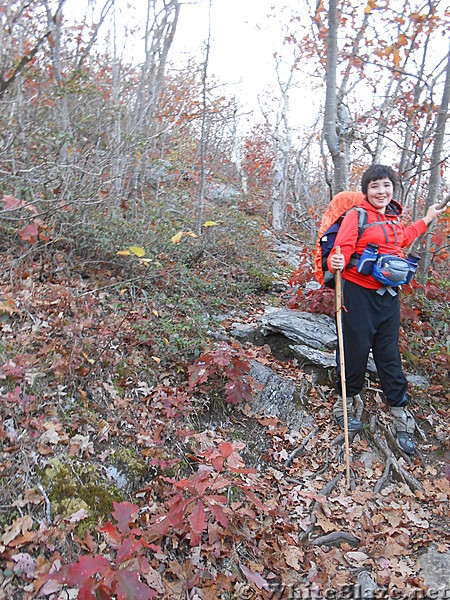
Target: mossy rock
[{"x": 77, "y": 485}]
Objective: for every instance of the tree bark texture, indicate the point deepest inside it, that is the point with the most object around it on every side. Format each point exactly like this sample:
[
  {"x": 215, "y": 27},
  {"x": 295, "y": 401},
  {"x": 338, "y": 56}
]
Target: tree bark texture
[{"x": 335, "y": 143}]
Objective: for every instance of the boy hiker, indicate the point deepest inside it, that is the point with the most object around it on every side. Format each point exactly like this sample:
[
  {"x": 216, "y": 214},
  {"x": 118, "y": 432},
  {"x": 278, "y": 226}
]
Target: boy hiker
[{"x": 371, "y": 318}]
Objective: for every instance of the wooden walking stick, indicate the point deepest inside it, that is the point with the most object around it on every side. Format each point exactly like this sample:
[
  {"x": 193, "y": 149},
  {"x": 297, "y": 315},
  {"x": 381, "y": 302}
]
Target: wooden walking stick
[{"x": 338, "y": 278}]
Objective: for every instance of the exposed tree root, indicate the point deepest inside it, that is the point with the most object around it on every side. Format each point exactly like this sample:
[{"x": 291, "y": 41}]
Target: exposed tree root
[
  {"x": 336, "y": 538},
  {"x": 393, "y": 464},
  {"x": 300, "y": 448},
  {"x": 384, "y": 478},
  {"x": 294, "y": 481},
  {"x": 340, "y": 438}
]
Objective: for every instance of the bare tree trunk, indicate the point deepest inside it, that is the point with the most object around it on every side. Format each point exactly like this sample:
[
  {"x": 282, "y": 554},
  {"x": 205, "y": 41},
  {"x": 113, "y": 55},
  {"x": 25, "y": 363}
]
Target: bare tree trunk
[
  {"x": 203, "y": 136},
  {"x": 277, "y": 192},
  {"x": 9, "y": 73},
  {"x": 283, "y": 145},
  {"x": 159, "y": 33},
  {"x": 334, "y": 141},
  {"x": 160, "y": 28},
  {"x": 434, "y": 185},
  {"x": 116, "y": 158},
  {"x": 54, "y": 24},
  {"x": 237, "y": 151}
]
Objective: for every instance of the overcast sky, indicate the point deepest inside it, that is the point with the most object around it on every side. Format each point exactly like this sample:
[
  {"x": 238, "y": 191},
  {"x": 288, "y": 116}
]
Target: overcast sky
[{"x": 245, "y": 34}]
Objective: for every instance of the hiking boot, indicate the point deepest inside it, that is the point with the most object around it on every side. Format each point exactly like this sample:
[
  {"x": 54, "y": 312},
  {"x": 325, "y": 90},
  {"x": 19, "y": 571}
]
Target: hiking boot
[
  {"x": 404, "y": 426},
  {"x": 353, "y": 423},
  {"x": 405, "y": 442}
]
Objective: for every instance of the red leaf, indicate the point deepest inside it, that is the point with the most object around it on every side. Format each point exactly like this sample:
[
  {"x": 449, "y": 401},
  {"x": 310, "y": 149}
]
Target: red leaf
[
  {"x": 129, "y": 587},
  {"x": 222, "y": 356},
  {"x": 233, "y": 392},
  {"x": 90, "y": 591},
  {"x": 114, "y": 536},
  {"x": 234, "y": 461},
  {"x": 176, "y": 510},
  {"x": 77, "y": 573},
  {"x": 218, "y": 513},
  {"x": 29, "y": 233},
  {"x": 251, "y": 496},
  {"x": 217, "y": 463},
  {"x": 11, "y": 202},
  {"x": 198, "y": 373},
  {"x": 240, "y": 367},
  {"x": 161, "y": 526},
  {"x": 197, "y": 518},
  {"x": 226, "y": 449},
  {"x": 127, "y": 549},
  {"x": 237, "y": 391},
  {"x": 124, "y": 513}
]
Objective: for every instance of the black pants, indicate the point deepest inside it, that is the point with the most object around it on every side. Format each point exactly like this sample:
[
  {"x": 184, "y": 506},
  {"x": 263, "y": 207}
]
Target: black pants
[{"x": 372, "y": 321}]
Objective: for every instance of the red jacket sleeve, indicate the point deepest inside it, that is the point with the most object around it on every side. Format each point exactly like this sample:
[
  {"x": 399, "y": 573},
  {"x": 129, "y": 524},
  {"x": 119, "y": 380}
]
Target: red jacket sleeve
[{"x": 347, "y": 237}]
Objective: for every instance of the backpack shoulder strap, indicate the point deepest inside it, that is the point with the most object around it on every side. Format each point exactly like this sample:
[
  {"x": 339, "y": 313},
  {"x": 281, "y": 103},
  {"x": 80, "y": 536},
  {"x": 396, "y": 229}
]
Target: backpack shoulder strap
[
  {"x": 362, "y": 225},
  {"x": 362, "y": 220}
]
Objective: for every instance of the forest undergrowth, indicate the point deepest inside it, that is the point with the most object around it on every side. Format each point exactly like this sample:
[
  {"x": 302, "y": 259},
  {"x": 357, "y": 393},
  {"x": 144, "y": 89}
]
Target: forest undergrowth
[{"x": 132, "y": 463}]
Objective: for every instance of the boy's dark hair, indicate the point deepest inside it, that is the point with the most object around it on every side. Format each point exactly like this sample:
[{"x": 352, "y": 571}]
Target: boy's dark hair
[{"x": 376, "y": 172}]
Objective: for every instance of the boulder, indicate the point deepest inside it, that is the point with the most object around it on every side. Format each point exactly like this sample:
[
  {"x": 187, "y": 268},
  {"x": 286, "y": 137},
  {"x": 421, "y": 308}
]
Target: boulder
[
  {"x": 279, "y": 397},
  {"x": 220, "y": 192},
  {"x": 435, "y": 568},
  {"x": 159, "y": 171},
  {"x": 246, "y": 332}
]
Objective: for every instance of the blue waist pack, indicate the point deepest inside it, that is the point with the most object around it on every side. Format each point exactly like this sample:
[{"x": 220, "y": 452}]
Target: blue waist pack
[{"x": 393, "y": 270}]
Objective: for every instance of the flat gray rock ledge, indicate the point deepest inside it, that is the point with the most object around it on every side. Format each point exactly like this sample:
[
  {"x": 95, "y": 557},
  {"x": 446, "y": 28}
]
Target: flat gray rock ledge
[
  {"x": 314, "y": 338},
  {"x": 435, "y": 570},
  {"x": 315, "y": 331}
]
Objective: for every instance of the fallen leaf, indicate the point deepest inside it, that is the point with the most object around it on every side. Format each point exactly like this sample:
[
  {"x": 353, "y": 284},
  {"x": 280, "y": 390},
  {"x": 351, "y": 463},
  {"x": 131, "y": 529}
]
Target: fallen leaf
[
  {"x": 177, "y": 237},
  {"x": 356, "y": 557},
  {"x": 255, "y": 578},
  {"x": 137, "y": 251},
  {"x": 293, "y": 556},
  {"x": 31, "y": 496},
  {"x": 19, "y": 527},
  {"x": 51, "y": 436},
  {"x": 24, "y": 563},
  {"x": 80, "y": 445},
  {"x": 325, "y": 523},
  {"x": 78, "y": 516}
]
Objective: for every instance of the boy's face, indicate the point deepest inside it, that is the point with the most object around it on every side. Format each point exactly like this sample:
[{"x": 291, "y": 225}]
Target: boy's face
[{"x": 379, "y": 193}]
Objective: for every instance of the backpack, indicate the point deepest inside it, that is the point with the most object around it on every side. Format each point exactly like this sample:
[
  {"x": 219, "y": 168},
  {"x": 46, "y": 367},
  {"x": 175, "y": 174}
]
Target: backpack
[{"x": 339, "y": 206}]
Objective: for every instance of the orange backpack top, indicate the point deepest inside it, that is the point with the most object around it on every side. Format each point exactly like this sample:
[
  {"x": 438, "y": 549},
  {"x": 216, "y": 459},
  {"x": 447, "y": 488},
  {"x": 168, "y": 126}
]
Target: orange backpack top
[{"x": 339, "y": 205}]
